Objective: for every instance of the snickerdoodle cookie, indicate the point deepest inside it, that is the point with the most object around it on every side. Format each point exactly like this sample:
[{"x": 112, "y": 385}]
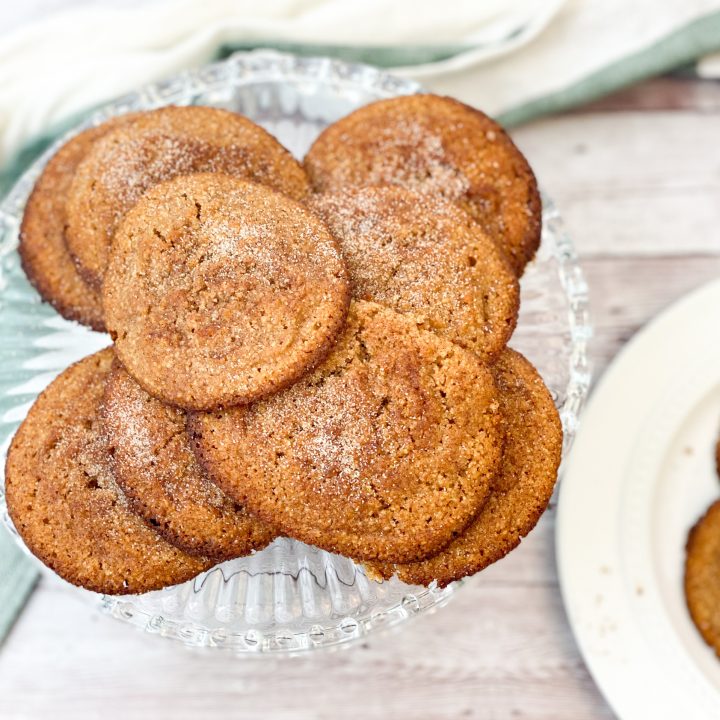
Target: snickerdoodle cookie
[
  {"x": 64, "y": 501},
  {"x": 425, "y": 256},
  {"x": 439, "y": 146},
  {"x": 702, "y": 575},
  {"x": 220, "y": 291},
  {"x": 43, "y": 252},
  {"x": 155, "y": 467},
  {"x": 521, "y": 489},
  {"x": 159, "y": 145},
  {"x": 386, "y": 452}
]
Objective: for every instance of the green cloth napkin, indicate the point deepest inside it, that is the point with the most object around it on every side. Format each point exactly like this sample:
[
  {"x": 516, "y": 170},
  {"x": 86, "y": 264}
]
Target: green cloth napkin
[{"x": 18, "y": 574}]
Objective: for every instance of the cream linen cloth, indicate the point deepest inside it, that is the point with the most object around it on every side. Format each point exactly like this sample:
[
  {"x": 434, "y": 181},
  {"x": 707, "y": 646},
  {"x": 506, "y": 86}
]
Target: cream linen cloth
[{"x": 505, "y": 56}]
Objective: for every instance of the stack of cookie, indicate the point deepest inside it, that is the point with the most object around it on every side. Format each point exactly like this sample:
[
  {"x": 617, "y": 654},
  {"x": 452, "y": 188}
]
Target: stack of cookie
[{"x": 318, "y": 352}]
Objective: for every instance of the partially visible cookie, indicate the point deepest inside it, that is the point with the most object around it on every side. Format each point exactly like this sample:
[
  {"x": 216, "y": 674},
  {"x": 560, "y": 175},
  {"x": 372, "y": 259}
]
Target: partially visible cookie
[
  {"x": 159, "y": 145},
  {"x": 385, "y": 452},
  {"x": 438, "y": 146},
  {"x": 425, "y": 256},
  {"x": 155, "y": 467},
  {"x": 702, "y": 575},
  {"x": 64, "y": 502},
  {"x": 521, "y": 490},
  {"x": 43, "y": 253},
  {"x": 220, "y": 291},
  {"x": 717, "y": 457}
]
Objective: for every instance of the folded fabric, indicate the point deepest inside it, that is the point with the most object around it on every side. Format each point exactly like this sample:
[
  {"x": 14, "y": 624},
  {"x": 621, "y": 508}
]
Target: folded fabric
[
  {"x": 66, "y": 63},
  {"x": 516, "y": 59}
]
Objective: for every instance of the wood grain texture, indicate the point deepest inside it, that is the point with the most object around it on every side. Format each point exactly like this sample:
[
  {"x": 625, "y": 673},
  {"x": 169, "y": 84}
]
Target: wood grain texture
[
  {"x": 634, "y": 182},
  {"x": 627, "y": 292},
  {"x": 637, "y": 178},
  {"x": 673, "y": 92},
  {"x": 497, "y": 651}
]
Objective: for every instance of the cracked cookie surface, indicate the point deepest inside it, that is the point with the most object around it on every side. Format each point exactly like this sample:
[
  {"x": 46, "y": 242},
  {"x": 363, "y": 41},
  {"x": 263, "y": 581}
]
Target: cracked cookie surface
[
  {"x": 522, "y": 487},
  {"x": 386, "y": 451},
  {"x": 156, "y": 468},
  {"x": 438, "y": 146},
  {"x": 64, "y": 501},
  {"x": 220, "y": 291},
  {"x": 159, "y": 145},
  {"x": 425, "y": 256}
]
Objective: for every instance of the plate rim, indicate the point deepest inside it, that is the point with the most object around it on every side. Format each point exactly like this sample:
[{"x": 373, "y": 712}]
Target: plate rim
[{"x": 621, "y": 675}]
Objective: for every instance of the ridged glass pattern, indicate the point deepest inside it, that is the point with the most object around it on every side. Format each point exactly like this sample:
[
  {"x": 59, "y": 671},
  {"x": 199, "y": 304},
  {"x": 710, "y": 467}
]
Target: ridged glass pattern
[{"x": 289, "y": 597}]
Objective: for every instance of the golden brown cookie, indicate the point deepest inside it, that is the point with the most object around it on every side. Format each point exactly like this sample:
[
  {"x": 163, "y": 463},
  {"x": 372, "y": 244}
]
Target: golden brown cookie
[
  {"x": 423, "y": 255},
  {"x": 160, "y": 145},
  {"x": 521, "y": 490},
  {"x": 65, "y": 504},
  {"x": 439, "y": 146},
  {"x": 220, "y": 291},
  {"x": 385, "y": 452},
  {"x": 702, "y": 575},
  {"x": 155, "y": 467},
  {"x": 43, "y": 253}
]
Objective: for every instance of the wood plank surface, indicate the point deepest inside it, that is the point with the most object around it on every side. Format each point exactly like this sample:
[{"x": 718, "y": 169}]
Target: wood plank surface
[
  {"x": 497, "y": 651},
  {"x": 637, "y": 177},
  {"x": 635, "y": 183}
]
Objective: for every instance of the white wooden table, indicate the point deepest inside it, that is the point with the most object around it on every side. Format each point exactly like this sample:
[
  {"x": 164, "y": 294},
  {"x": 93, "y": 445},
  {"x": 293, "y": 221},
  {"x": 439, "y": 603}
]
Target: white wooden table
[{"x": 637, "y": 178}]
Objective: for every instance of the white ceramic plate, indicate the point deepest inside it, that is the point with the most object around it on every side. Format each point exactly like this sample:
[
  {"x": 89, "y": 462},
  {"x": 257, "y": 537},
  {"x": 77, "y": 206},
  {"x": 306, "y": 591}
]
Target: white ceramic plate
[{"x": 640, "y": 475}]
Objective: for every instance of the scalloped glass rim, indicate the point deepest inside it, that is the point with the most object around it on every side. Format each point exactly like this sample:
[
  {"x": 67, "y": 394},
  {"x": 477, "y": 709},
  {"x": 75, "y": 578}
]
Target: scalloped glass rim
[{"x": 251, "y": 75}]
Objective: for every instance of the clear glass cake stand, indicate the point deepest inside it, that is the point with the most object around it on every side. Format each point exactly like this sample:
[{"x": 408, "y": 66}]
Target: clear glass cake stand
[{"x": 289, "y": 598}]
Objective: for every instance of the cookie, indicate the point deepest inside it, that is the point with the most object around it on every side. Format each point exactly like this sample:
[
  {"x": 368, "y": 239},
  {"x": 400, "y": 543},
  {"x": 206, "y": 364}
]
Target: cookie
[
  {"x": 425, "y": 256},
  {"x": 220, "y": 291},
  {"x": 702, "y": 576},
  {"x": 160, "y": 145},
  {"x": 522, "y": 487},
  {"x": 43, "y": 253},
  {"x": 155, "y": 467},
  {"x": 65, "y": 504},
  {"x": 385, "y": 452},
  {"x": 439, "y": 146}
]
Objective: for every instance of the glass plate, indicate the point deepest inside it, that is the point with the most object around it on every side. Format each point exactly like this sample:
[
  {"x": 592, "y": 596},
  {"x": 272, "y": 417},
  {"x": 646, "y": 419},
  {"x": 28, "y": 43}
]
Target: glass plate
[{"x": 289, "y": 597}]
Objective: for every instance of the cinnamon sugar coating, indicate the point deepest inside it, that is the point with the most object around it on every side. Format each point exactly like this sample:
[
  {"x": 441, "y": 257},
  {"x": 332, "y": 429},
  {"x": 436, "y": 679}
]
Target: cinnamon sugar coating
[
  {"x": 220, "y": 291},
  {"x": 155, "y": 467},
  {"x": 43, "y": 252},
  {"x": 424, "y": 256},
  {"x": 159, "y": 145},
  {"x": 438, "y": 146},
  {"x": 246, "y": 394},
  {"x": 385, "y": 452},
  {"x": 521, "y": 489},
  {"x": 66, "y": 505}
]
